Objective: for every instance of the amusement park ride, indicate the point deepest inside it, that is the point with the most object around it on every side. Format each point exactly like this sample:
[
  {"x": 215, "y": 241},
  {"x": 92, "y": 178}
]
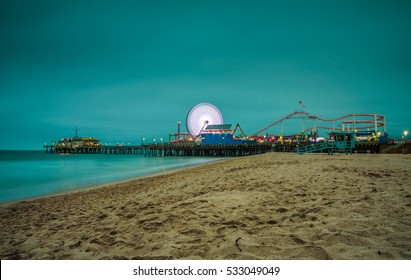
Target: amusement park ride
[
  {"x": 362, "y": 124},
  {"x": 205, "y": 125}
]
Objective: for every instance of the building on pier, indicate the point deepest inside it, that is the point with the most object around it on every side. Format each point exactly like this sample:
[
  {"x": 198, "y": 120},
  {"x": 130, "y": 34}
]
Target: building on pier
[
  {"x": 78, "y": 142},
  {"x": 222, "y": 134}
]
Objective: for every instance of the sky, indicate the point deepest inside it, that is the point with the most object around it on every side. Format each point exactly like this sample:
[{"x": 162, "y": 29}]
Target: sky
[{"x": 124, "y": 70}]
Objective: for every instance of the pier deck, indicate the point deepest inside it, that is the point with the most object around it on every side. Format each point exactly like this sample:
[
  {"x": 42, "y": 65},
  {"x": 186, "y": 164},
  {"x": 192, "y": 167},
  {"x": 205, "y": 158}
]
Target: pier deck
[
  {"x": 167, "y": 149},
  {"x": 206, "y": 150},
  {"x": 190, "y": 149},
  {"x": 51, "y": 149}
]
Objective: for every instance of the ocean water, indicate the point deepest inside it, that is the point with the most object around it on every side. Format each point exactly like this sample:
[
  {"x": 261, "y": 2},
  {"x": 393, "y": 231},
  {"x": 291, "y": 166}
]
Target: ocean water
[{"x": 30, "y": 174}]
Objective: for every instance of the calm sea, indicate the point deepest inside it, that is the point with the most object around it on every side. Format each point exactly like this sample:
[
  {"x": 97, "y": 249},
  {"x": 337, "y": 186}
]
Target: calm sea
[{"x": 29, "y": 174}]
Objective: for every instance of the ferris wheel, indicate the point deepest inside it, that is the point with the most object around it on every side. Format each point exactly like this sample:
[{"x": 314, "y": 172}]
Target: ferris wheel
[{"x": 200, "y": 116}]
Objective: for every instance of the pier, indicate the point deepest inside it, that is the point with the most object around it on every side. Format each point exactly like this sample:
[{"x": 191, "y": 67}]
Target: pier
[
  {"x": 213, "y": 138},
  {"x": 121, "y": 150},
  {"x": 170, "y": 149},
  {"x": 191, "y": 149},
  {"x": 167, "y": 149}
]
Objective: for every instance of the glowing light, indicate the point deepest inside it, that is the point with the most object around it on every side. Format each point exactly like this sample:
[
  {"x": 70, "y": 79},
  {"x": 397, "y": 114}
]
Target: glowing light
[{"x": 201, "y": 115}]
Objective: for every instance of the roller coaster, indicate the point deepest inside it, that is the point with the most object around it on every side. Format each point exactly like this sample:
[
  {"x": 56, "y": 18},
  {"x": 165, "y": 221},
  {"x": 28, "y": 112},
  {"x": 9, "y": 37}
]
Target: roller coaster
[{"x": 362, "y": 124}]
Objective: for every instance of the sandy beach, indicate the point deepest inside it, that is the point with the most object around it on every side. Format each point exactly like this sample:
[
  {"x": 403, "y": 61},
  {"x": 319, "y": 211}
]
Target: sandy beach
[{"x": 270, "y": 206}]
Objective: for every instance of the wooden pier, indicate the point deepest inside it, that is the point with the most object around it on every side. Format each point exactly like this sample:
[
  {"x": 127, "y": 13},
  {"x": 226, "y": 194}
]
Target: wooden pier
[
  {"x": 121, "y": 150},
  {"x": 167, "y": 149},
  {"x": 191, "y": 149},
  {"x": 170, "y": 149}
]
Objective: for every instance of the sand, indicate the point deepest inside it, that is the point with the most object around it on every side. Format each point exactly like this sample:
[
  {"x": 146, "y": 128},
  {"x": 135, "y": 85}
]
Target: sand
[{"x": 271, "y": 206}]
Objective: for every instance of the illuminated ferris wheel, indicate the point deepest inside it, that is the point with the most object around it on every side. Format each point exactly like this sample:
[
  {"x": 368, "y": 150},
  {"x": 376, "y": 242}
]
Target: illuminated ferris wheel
[{"x": 200, "y": 116}]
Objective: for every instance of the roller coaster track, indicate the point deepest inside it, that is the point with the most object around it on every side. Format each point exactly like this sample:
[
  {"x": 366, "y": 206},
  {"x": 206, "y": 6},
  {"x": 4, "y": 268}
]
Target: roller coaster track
[{"x": 378, "y": 120}]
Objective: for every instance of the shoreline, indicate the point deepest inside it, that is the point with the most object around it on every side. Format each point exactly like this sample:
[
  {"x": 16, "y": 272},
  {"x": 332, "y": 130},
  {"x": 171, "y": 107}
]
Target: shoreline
[
  {"x": 270, "y": 206},
  {"x": 98, "y": 186}
]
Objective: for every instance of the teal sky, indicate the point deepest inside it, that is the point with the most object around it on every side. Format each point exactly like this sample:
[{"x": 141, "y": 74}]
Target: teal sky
[{"x": 124, "y": 70}]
